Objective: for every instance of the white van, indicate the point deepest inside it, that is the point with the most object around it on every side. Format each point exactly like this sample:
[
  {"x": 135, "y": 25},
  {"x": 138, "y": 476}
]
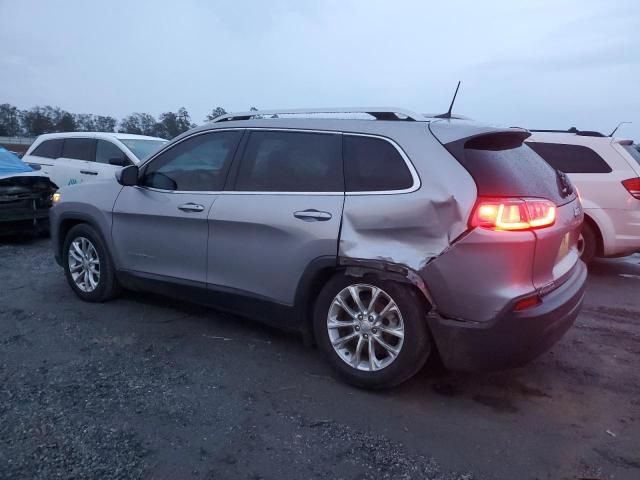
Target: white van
[
  {"x": 606, "y": 171},
  {"x": 70, "y": 158}
]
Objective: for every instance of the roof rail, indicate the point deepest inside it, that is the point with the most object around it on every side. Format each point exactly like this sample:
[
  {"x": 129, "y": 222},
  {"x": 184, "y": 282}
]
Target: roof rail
[
  {"x": 379, "y": 113},
  {"x": 582, "y": 133}
]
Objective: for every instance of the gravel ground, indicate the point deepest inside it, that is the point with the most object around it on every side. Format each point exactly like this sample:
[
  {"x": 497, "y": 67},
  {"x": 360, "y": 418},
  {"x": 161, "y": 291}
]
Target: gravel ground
[{"x": 146, "y": 387}]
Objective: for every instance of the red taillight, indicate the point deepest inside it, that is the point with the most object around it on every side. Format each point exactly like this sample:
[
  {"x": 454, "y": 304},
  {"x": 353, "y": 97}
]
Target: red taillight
[
  {"x": 633, "y": 187},
  {"x": 513, "y": 214}
]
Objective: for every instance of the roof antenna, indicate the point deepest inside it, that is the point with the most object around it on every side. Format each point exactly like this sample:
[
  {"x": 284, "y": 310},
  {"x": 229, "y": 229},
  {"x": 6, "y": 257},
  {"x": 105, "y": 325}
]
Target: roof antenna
[
  {"x": 448, "y": 114},
  {"x": 616, "y": 129}
]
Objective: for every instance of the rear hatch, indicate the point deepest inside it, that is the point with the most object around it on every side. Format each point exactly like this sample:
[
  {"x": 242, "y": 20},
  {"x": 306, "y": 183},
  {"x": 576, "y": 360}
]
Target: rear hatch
[{"x": 506, "y": 171}]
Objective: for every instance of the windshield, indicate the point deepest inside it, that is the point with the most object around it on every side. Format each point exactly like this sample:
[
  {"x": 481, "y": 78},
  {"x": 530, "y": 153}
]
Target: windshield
[
  {"x": 10, "y": 163},
  {"x": 143, "y": 148},
  {"x": 633, "y": 151}
]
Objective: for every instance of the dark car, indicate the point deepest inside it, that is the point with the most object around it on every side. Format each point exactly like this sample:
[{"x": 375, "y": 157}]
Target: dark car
[{"x": 25, "y": 197}]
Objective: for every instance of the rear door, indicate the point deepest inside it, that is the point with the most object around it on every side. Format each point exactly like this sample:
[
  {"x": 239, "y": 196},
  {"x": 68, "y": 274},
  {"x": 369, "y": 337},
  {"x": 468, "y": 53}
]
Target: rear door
[
  {"x": 77, "y": 162},
  {"x": 160, "y": 226},
  {"x": 284, "y": 211}
]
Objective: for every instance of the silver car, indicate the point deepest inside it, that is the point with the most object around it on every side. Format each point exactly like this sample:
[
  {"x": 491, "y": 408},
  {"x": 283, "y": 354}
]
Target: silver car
[{"x": 384, "y": 235}]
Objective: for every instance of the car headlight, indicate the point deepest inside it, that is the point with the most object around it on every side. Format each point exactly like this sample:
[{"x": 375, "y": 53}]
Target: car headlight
[{"x": 55, "y": 198}]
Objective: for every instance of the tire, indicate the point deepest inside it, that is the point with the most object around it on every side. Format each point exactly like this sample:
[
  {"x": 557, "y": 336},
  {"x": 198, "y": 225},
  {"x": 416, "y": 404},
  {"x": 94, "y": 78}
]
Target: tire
[
  {"x": 589, "y": 242},
  {"x": 387, "y": 370},
  {"x": 106, "y": 285}
]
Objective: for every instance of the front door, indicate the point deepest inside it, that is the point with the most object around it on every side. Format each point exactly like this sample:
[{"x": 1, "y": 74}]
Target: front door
[{"x": 160, "y": 226}]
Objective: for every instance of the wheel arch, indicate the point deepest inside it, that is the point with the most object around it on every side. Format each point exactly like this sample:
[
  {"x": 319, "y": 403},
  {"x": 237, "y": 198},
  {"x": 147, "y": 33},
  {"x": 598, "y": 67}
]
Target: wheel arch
[
  {"x": 323, "y": 268},
  {"x": 597, "y": 231},
  {"x": 66, "y": 222}
]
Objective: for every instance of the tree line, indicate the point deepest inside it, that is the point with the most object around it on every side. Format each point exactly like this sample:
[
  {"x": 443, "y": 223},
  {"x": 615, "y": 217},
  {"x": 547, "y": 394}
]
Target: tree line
[{"x": 38, "y": 120}]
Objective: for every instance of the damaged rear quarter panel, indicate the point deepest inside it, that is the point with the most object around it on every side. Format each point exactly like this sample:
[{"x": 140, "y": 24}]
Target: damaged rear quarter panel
[{"x": 411, "y": 228}]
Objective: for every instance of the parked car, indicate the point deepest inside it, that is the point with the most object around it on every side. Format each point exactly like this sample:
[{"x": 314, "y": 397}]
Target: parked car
[
  {"x": 606, "y": 172},
  {"x": 386, "y": 238},
  {"x": 25, "y": 197},
  {"x": 71, "y": 158}
]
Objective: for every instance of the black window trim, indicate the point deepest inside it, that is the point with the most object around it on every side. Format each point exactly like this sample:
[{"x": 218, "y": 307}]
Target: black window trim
[{"x": 228, "y": 188}]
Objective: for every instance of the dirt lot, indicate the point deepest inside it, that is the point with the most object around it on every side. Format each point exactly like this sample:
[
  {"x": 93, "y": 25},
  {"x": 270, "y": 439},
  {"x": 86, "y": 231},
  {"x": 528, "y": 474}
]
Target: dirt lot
[{"x": 145, "y": 387}]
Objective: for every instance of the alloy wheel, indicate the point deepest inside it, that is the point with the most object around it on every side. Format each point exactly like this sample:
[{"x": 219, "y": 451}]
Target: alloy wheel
[
  {"x": 84, "y": 264},
  {"x": 365, "y": 327}
]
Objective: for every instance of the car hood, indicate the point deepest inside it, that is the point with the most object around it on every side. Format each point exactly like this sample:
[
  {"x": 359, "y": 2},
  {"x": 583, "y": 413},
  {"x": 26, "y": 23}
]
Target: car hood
[{"x": 26, "y": 183}]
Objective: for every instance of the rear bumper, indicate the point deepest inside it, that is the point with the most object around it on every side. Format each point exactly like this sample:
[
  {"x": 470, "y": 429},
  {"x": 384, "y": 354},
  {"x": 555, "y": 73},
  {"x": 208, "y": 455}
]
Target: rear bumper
[{"x": 512, "y": 338}]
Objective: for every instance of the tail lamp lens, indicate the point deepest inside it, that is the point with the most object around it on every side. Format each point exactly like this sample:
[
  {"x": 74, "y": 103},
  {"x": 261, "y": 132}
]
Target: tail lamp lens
[
  {"x": 513, "y": 214},
  {"x": 633, "y": 187}
]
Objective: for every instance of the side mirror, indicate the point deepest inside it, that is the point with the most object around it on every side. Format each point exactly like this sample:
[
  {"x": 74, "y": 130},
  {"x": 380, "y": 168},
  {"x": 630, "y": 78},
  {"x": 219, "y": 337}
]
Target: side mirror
[
  {"x": 119, "y": 161},
  {"x": 128, "y": 176},
  {"x": 35, "y": 166}
]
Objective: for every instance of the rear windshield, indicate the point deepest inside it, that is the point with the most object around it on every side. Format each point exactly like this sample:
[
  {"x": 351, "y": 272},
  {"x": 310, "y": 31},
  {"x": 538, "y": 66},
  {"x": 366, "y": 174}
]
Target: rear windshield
[
  {"x": 633, "y": 151},
  {"x": 143, "y": 148},
  {"x": 502, "y": 166}
]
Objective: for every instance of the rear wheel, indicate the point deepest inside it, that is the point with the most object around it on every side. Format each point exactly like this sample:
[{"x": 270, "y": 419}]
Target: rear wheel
[
  {"x": 373, "y": 332},
  {"x": 88, "y": 266},
  {"x": 587, "y": 243}
]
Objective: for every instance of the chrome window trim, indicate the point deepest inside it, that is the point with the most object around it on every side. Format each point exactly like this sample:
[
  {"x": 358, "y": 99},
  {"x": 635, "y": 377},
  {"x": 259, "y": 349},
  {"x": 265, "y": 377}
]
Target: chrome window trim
[{"x": 414, "y": 174}]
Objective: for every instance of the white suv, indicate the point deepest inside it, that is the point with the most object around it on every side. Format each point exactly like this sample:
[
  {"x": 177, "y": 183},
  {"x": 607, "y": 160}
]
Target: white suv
[
  {"x": 70, "y": 158},
  {"x": 606, "y": 171}
]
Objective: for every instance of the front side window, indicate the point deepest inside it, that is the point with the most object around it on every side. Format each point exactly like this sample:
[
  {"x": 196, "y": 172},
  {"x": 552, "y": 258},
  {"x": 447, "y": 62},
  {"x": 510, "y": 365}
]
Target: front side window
[
  {"x": 373, "y": 164},
  {"x": 280, "y": 161},
  {"x": 198, "y": 164},
  {"x": 107, "y": 151},
  {"x": 49, "y": 148},
  {"x": 570, "y": 158},
  {"x": 143, "y": 148},
  {"x": 79, "y": 149}
]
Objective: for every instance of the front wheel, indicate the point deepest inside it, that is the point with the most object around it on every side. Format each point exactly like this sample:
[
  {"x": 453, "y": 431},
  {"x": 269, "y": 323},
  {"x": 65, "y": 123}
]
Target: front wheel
[
  {"x": 373, "y": 332},
  {"x": 88, "y": 266}
]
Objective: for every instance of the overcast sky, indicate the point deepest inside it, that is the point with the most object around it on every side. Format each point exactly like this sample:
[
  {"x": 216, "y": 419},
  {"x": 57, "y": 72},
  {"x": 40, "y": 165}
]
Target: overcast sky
[{"x": 537, "y": 64}]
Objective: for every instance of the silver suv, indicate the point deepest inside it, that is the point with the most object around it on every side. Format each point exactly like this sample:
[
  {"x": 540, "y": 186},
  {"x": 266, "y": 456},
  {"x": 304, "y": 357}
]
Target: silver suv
[{"x": 385, "y": 235}]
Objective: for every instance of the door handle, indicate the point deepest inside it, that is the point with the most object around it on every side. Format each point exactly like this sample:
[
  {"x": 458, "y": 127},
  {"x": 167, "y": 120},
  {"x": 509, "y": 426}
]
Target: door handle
[
  {"x": 88, "y": 172},
  {"x": 312, "y": 215},
  {"x": 191, "y": 207}
]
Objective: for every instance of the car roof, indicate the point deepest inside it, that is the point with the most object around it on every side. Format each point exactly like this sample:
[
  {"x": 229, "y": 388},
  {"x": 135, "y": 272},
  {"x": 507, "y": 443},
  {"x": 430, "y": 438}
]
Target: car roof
[{"x": 103, "y": 135}]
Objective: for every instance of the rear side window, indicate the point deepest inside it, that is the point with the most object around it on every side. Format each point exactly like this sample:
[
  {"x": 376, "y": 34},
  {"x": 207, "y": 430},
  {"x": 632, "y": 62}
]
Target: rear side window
[
  {"x": 291, "y": 162},
  {"x": 571, "y": 158},
  {"x": 49, "y": 148},
  {"x": 632, "y": 149},
  {"x": 79, "y": 149},
  {"x": 197, "y": 164},
  {"x": 106, "y": 151},
  {"x": 373, "y": 164}
]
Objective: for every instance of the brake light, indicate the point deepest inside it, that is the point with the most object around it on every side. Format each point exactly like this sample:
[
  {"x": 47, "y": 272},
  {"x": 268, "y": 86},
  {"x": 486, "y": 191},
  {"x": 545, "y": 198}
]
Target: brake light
[
  {"x": 513, "y": 214},
  {"x": 633, "y": 187}
]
